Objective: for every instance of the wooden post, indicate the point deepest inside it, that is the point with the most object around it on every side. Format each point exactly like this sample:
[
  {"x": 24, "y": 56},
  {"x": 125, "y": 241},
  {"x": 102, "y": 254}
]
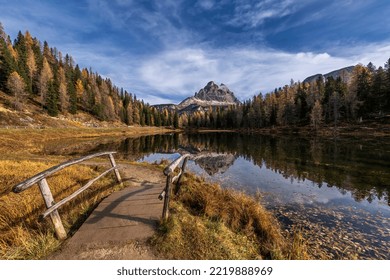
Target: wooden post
[
  {"x": 167, "y": 195},
  {"x": 49, "y": 201},
  {"x": 181, "y": 174},
  {"x": 113, "y": 164}
]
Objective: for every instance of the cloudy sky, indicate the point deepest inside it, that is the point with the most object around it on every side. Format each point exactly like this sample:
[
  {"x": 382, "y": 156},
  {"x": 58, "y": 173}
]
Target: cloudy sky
[{"x": 164, "y": 51}]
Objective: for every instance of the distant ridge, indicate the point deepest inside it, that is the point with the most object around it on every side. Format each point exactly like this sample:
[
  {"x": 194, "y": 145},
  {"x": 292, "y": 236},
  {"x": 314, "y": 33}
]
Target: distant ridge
[{"x": 345, "y": 74}]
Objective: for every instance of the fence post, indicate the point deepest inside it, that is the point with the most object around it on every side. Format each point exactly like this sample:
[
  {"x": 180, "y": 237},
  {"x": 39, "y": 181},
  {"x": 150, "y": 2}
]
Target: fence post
[
  {"x": 177, "y": 189},
  {"x": 113, "y": 164},
  {"x": 49, "y": 201},
  {"x": 166, "y": 198}
]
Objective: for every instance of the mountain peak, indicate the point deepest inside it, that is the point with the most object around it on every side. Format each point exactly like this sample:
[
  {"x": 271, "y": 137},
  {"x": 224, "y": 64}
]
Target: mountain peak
[
  {"x": 211, "y": 95},
  {"x": 213, "y": 92}
]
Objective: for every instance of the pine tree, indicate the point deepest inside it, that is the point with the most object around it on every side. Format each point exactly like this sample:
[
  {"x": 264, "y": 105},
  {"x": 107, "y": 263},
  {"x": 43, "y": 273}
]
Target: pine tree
[
  {"x": 357, "y": 92},
  {"x": 72, "y": 98},
  {"x": 335, "y": 105},
  {"x": 52, "y": 98},
  {"x": 301, "y": 104},
  {"x": 8, "y": 62},
  {"x": 21, "y": 58},
  {"x": 387, "y": 97}
]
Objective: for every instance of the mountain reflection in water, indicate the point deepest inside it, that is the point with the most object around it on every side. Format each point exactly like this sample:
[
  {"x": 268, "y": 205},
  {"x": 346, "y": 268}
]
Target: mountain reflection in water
[
  {"x": 360, "y": 167},
  {"x": 214, "y": 163}
]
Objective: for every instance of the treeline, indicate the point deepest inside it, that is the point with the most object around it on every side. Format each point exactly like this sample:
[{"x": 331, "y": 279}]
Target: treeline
[
  {"x": 44, "y": 76},
  {"x": 351, "y": 97}
]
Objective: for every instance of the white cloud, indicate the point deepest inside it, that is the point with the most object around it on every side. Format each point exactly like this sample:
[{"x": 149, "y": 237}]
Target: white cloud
[
  {"x": 246, "y": 71},
  {"x": 246, "y": 13},
  {"x": 172, "y": 75}
]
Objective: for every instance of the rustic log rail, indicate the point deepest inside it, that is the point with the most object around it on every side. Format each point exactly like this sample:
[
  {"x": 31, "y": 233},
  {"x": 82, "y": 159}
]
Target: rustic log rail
[
  {"x": 169, "y": 172},
  {"x": 51, "y": 206}
]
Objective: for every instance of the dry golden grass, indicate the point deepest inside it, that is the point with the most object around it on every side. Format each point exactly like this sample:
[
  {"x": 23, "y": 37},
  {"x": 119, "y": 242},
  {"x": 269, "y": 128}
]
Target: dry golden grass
[
  {"x": 22, "y": 155},
  {"x": 21, "y": 235},
  {"x": 208, "y": 222},
  {"x": 186, "y": 236}
]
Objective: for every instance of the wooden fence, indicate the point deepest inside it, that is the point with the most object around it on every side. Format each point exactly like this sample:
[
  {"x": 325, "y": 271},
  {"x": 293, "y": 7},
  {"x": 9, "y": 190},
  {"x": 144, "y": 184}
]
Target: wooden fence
[
  {"x": 169, "y": 171},
  {"x": 52, "y": 206}
]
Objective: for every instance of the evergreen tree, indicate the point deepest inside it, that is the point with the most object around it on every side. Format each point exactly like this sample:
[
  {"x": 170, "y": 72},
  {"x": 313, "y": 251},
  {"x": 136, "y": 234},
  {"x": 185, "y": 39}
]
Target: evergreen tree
[
  {"x": 21, "y": 51},
  {"x": 334, "y": 107},
  {"x": 8, "y": 62},
  {"x": 52, "y": 99},
  {"x": 387, "y": 96}
]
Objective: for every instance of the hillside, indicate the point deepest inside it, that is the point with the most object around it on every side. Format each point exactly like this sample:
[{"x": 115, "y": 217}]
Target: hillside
[
  {"x": 41, "y": 86},
  {"x": 33, "y": 116}
]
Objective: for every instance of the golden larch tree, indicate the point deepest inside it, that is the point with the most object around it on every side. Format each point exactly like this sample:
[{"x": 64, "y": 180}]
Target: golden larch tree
[
  {"x": 17, "y": 88},
  {"x": 45, "y": 77}
]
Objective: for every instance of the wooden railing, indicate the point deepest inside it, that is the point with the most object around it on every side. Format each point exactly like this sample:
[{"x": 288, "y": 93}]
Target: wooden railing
[
  {"x": 52, "y": 206},
  {"x": 169, "y": 171}
]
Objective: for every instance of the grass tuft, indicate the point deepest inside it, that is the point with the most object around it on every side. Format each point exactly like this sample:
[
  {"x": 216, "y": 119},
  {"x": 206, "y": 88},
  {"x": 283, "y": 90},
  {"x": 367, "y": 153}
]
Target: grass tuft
[{"x": 209, "y": 222}]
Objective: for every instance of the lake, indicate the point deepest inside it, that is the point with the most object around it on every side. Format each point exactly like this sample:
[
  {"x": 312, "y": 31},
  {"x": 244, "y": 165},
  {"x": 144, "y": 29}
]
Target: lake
[{"x": 334, "y": 191}]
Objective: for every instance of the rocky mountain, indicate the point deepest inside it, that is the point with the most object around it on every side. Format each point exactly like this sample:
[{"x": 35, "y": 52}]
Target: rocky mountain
[
  {"x": 345, "y": 74},
  {"x": 214, "y": 163},
  {"x": 211, "y": 95}
]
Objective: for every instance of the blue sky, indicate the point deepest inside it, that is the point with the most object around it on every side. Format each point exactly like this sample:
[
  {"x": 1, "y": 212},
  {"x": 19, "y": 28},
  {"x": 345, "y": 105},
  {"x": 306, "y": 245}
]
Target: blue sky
[{"x": 164, "y": 51}]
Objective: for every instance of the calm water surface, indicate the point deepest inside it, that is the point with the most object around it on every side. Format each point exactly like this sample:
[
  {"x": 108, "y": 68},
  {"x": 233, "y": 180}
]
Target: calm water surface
[{"x": 335, "y": 191}]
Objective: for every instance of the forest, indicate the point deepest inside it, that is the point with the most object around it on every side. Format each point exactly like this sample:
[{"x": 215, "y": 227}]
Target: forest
[
  {"x": 364, "y": 96},
  {"x": 37, "y": 73}
]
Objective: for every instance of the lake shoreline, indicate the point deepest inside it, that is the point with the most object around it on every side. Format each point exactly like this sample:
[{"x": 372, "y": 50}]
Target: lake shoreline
[{"x": 369, "y": 129}]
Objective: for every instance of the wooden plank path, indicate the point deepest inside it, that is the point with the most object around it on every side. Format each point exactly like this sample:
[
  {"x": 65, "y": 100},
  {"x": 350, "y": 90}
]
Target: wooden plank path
[{"x": 129, "y": 216}]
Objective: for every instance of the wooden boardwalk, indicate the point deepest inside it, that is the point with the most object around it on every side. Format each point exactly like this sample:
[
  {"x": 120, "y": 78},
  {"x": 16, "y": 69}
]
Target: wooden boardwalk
[{"x": 127, "y": 216}]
